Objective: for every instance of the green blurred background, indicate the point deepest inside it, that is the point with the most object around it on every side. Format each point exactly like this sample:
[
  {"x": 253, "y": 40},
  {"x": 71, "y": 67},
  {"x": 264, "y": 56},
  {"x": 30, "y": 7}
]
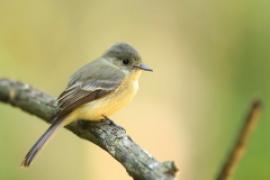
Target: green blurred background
[{"x": 211, "y": 58}]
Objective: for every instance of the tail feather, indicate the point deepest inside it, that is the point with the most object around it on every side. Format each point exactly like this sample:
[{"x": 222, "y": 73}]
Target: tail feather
[{"x": 40, "y": 143}]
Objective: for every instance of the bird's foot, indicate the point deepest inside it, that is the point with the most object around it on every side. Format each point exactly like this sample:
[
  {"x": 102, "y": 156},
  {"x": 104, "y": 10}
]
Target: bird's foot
[
  {"x": 110, "y": 122},
  {"x": 83, "y": 123}
]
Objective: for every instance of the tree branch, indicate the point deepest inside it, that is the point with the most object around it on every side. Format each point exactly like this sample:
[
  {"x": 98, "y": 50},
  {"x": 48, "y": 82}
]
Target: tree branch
[
  {"x": 240, "y": 145},
  {"x": 110, "y": 137}
]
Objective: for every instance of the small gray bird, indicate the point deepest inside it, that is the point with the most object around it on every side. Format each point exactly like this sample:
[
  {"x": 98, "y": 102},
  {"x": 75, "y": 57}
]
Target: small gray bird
[{"x": 96, "y": 91}]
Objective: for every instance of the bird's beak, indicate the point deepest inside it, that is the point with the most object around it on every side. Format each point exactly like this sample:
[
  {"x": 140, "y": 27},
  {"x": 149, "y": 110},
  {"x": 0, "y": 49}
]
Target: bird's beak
[{"x": 144, "y": 67}]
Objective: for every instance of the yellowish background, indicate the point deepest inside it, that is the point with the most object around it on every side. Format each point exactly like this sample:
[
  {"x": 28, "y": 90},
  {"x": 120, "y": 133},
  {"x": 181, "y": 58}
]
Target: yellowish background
[{"x": 210, "y": 59}]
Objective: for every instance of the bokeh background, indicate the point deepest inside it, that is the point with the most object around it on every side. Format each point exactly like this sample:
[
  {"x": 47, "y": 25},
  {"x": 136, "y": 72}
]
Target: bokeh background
[{"x": 211, "y": 58}]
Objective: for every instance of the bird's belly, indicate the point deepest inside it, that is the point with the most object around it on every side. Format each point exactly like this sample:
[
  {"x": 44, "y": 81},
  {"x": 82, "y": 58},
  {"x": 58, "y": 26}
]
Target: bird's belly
[{"x": 106, "y": 106}]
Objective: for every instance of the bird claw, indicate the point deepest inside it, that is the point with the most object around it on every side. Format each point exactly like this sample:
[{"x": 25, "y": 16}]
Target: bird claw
[
  {"x": 110, "y": 122},
  {"x": 83, "y": 123}
]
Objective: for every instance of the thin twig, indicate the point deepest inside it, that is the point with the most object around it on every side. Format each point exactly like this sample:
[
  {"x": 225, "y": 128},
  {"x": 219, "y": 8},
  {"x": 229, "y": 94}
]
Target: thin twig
[
  {"x": 110, "y": 137},
  {"x": 241, "y": 142}
]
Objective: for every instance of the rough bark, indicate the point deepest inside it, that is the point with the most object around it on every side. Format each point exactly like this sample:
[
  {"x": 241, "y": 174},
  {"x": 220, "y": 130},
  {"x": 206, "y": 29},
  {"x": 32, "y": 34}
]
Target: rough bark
[{"x": 107, "y": 135}]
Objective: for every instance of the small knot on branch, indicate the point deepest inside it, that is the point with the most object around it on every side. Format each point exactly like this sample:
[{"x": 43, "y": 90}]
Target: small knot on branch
[{"x": 169, "y": 167}]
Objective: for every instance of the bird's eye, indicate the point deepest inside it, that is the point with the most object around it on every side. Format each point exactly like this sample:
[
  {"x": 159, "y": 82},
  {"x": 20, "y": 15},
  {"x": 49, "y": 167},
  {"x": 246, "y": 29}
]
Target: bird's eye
[{"x": 126, "y": 61}]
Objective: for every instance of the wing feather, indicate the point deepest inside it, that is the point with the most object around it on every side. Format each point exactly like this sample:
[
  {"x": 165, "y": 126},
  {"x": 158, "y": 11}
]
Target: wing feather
[{"x": 90, "y": 86}]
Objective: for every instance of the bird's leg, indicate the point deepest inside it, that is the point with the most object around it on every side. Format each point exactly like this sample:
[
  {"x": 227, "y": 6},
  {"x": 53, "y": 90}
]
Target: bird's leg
[
  {"x": 110, "y": 122},
  {"x": 83, "y": 123}
]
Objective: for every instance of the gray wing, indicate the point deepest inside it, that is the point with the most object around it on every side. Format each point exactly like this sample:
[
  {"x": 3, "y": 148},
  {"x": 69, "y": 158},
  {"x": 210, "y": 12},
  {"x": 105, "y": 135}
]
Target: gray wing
[{"x": 93, "y": 81}]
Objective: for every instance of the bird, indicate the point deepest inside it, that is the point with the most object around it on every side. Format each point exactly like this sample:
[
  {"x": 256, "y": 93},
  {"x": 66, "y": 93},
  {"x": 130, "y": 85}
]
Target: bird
[{"x": 96, "y": 91}]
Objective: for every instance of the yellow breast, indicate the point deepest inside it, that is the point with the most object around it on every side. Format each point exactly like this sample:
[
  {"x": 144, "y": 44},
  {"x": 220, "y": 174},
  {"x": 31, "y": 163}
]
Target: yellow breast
[{"x": 106, "y": 106}]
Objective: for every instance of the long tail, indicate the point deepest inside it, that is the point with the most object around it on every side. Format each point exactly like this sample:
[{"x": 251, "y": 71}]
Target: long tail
[{"x": 40, "y": 142}]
